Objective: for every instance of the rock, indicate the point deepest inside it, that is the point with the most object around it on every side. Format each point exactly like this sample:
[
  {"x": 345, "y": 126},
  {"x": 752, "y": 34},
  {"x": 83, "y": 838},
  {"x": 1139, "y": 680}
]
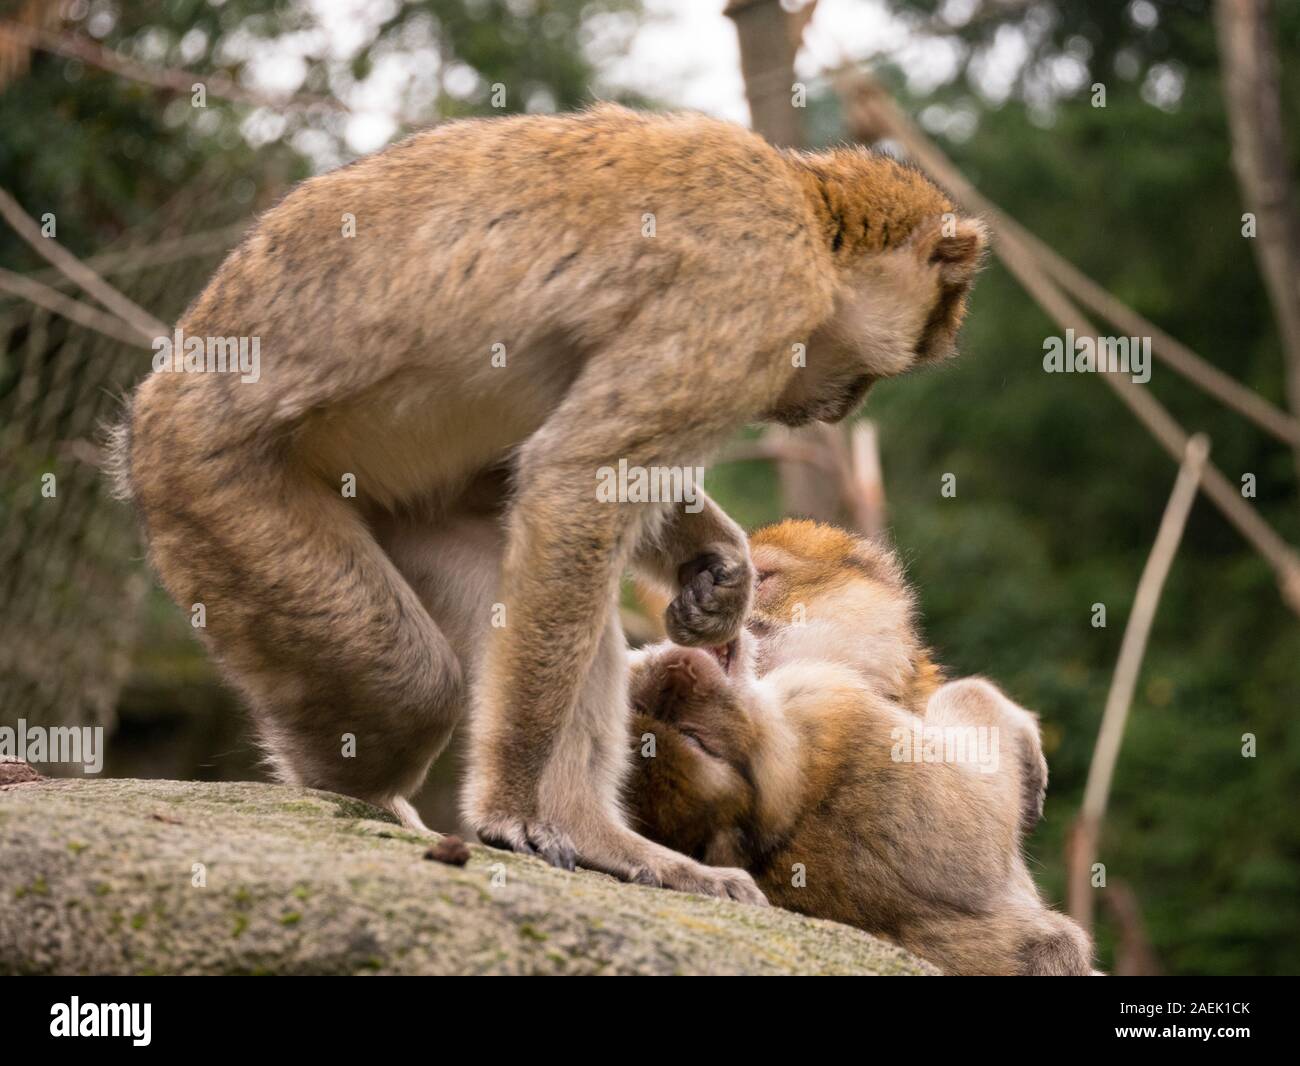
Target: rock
[
  {"x": 122, "y": 876},
  {"x": 16, "y": 772}
]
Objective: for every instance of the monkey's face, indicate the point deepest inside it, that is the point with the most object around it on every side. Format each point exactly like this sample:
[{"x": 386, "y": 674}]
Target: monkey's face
[
  {"x": 714, "y": 787},
  {"x": 824, "y": 594},
  {"x": 894, "y": 310},
  {"x": 692, "y": 785}
]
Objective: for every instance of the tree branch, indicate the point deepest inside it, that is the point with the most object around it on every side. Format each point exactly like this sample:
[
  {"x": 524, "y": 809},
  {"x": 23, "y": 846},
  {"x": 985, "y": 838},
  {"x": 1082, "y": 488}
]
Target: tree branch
[
  {"x": 125, "y": 309},
  {"x": 73, "y": 46},
  {"x": 73, "y": 310},
  {"x": 1137, "y": 630}
]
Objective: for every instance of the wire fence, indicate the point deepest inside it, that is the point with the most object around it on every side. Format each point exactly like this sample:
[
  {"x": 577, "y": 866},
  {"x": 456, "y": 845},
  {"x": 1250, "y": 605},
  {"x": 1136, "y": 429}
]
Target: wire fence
[{"x": 72, "y": 576}]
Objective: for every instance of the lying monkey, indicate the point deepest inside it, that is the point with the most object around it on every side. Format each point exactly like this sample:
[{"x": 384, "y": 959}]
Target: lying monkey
[{"x": 816, "y": 750}]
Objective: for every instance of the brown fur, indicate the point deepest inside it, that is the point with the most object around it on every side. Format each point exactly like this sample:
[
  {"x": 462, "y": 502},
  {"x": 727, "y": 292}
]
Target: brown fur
[
  {"x": 476, "y": 483},
  {"x": 786, "y": 759}
]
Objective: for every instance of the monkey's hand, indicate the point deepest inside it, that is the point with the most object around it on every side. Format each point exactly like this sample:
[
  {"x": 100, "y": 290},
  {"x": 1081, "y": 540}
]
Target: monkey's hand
[{"x": 716, "y": 588}]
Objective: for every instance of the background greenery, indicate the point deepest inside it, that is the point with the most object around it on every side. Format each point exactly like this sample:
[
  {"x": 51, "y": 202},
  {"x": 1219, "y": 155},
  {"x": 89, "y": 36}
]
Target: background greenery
[{"x": 1059, "y": 491}]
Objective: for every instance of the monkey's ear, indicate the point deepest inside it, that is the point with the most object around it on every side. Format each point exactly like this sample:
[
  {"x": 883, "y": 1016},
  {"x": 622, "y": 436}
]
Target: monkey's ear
[{"x": 957, "y": 247}]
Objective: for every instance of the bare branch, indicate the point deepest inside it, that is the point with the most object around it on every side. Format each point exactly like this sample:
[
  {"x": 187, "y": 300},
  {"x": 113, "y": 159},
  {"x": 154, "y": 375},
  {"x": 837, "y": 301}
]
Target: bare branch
[
  {"x": 864, "y": 483},
  {"x": 783, "y": 450},
  {"x": 69, "y": 264},
  {"x": 73, "y": 46},
  {"x": 1110, "y": 736},
  {"x": 1134, "y": 954},
  {"x": 160, "y": 253},
  {"x": 73, "y": 310}
]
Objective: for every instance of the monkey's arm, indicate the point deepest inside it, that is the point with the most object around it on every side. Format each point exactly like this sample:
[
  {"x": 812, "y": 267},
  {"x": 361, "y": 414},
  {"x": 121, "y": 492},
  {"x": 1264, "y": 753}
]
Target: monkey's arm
[
  {"x": 703, "y": 557},
  {"x": 549, "y": 720}
]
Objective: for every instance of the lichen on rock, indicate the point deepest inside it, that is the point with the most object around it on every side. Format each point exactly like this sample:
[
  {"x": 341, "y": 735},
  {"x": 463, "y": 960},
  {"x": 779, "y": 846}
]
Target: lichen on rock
[{"x": 137, "y": 877}]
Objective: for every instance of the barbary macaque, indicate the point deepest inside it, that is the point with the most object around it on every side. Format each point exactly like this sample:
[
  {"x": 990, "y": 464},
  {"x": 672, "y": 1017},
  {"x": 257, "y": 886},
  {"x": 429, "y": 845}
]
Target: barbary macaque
[
  {"x": 826, "y": 756},
  {"x": 457, "y": 335}
]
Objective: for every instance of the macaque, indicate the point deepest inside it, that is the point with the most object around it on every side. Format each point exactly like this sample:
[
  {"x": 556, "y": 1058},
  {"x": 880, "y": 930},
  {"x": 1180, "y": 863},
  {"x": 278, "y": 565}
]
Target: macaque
[
  {"x": 457, "y": 335},
  {"x": 825, "y": 755}
]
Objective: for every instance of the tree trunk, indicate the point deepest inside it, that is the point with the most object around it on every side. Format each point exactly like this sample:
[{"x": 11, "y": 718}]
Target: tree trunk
[
  {"x": 767, "y": 51},
  {"x": 769, "y": 39},
  {"x": 1250, "y": 89}
]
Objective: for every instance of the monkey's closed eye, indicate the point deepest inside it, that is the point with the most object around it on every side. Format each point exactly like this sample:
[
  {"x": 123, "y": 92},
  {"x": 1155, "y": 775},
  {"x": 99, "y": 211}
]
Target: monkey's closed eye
[{"x": 693, "y": 738}]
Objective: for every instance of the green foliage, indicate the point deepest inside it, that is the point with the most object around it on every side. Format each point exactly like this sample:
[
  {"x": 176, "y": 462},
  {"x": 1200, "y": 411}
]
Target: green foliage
[
  {"x": 103, "y": 153},
  {"x": 534, "y": 49},
  {"x": 1060, "y": 491}
]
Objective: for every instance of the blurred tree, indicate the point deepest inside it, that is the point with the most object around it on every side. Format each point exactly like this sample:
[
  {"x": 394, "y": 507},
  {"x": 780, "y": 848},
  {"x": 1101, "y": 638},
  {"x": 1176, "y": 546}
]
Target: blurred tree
[{"x": 103, "y": 152}]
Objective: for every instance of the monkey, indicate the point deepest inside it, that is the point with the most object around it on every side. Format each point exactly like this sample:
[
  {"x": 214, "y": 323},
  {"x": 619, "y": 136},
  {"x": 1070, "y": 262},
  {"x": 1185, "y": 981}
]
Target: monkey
[
  {"x": 456, "y": 335},
  {"x": 792, "y": 756}
]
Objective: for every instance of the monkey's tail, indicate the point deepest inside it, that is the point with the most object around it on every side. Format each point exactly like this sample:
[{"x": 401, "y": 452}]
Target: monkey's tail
[{"x": 115, "y": 447}]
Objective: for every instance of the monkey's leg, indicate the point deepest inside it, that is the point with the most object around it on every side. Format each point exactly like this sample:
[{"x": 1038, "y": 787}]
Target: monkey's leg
[
  {"x": 582, "y": 781},
  {"x": 453, "y": 564},
  {"x": 705, "y": 554},
  {"x": 592, "y": 759},
  {"x": 353, "y": 687},
  {"x": 1019, "y": 938},
  {"x": 550, "y": 710},
  {"x": 1022, "y": 769}
]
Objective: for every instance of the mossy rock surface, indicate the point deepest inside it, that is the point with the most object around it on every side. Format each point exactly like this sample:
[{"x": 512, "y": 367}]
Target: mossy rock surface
[{"x": 123, "y": 876}]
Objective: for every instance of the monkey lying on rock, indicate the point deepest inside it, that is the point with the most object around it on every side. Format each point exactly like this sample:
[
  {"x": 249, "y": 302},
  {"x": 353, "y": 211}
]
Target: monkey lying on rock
[{"x": 822, "y": 753}]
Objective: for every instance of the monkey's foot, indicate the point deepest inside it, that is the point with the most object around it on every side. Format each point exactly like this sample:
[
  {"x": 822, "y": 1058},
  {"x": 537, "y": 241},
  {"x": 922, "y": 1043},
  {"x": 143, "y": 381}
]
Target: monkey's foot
[
  {"x": 530, "y": 838},
  {"x": 1033, "y": 784},
  {"x": 713, "y": 601},
  {"x": 720, "y": 881},
  {"x": 649, "y": 865}
]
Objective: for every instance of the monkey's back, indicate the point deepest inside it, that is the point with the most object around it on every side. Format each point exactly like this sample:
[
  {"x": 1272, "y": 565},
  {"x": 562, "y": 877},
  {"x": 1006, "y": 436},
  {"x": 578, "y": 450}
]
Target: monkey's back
[
  {"x": 500, "y": 230},
  {"x": 906, "y": 836},
  {"x": 380, "y": 292}
]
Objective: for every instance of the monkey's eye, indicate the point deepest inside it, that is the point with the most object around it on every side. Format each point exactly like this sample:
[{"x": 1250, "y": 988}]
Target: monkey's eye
[
  {"x": 693, "y": 738},
  {"x": 764, "y": 584}
]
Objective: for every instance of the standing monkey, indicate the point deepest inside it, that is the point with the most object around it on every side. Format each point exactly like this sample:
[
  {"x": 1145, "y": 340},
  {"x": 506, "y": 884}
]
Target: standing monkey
[{"x": 465, "y": 328}]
